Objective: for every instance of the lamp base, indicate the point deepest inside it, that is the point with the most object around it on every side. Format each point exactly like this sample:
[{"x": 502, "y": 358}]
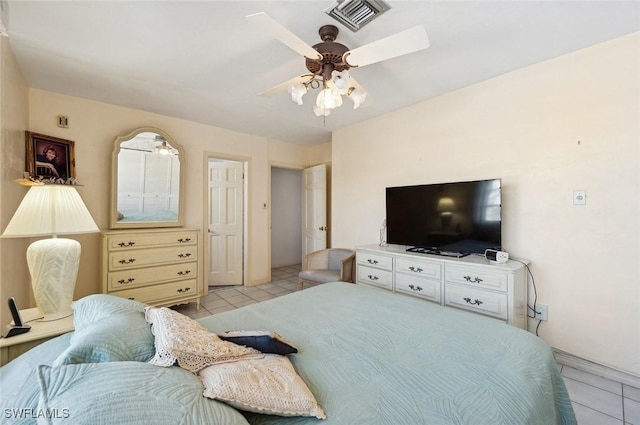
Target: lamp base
[{"x": 53, "y": 264}]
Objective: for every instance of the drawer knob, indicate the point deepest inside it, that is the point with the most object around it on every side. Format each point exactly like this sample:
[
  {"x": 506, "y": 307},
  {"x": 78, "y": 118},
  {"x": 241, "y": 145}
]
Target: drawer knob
[
  {"x": 415, "y": 288},
  {"x": 187, "y": 255},
  {"x": 123, "y": 281},
  {"x": 474, "y": 302},
  {"x": 370, "y": 261},
  {"x": 184, "y": 240},
  {"x": 472, "y": 279},
  {"x": 416, "y": 269},
  {"x": 181, "y": 290},
  {"x": 129, "y": 261},
  {"x": 125, "y": 244},
  {"x": 372, "y": 277},
  {"x": 183, "y": 273}
]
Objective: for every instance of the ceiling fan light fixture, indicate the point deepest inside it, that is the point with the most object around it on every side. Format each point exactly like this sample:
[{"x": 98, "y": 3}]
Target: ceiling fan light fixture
[
  {"x": 354, "y": 14},
  {"x": 357, "y": 97},
  {"x": 328, "y": 99},
  {"x": 340, "y": 81},
  {"x": 297, "y": 91}
]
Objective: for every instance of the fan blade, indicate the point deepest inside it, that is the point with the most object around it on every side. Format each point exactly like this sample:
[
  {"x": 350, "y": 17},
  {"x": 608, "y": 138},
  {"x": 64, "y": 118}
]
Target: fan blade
[
  {"x": 284, "y": 86},
  {"x": 399, "y": 44},
  {"x": 272, "y": 27}
]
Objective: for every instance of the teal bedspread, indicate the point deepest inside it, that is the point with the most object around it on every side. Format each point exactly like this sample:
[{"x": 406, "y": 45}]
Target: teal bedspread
[{"x": 372, "y": 357}]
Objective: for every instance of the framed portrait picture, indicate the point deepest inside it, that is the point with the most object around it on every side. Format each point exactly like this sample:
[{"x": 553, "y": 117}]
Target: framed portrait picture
[{"x": 49, "y": 157}]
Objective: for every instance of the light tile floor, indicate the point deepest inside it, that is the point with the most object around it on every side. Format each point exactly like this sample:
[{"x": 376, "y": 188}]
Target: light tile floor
[{"x": 596, "y": 400}]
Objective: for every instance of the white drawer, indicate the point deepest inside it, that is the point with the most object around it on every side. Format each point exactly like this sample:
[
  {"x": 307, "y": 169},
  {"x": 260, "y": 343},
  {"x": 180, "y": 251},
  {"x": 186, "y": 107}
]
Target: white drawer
[
  {"x": 485, "y": 302},
  {"x": 373, "y": 276},
  {"x": 143, "y": 240},
  {"x": 159, "y": 293},
  {"x": 497, "y": 281},
  {"x": 374, "y": 260},
  {"x": 153, "y": 256},
  {"x": 134, "y": 278},
  {"x": 418, "y": 286},
  {"x": 418, "y": 267}
]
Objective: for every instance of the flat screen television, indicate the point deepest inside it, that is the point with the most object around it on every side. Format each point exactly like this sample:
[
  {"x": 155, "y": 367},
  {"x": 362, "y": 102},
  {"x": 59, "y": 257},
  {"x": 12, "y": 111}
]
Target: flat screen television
[{"x": 453, "y": 219}]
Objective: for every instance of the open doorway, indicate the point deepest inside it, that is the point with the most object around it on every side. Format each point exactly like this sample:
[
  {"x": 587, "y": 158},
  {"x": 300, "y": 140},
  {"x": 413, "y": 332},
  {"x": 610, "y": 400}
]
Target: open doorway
[
  {"x": 226, "y": 222},
  {"x": 286, "y": 217}
]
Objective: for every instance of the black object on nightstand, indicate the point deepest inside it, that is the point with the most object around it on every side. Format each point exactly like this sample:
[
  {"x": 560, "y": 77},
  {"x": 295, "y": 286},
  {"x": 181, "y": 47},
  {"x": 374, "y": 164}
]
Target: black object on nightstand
[{"x": 18, "y": 327}]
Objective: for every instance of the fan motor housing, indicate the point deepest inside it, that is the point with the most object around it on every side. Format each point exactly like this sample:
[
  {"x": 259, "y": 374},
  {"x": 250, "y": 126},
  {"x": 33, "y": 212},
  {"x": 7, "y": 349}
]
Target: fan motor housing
[{"x": 331, "y": 52}]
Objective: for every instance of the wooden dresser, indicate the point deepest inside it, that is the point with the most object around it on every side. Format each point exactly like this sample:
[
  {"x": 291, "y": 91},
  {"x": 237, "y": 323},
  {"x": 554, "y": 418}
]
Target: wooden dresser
[{"x": 161, "y": 267}]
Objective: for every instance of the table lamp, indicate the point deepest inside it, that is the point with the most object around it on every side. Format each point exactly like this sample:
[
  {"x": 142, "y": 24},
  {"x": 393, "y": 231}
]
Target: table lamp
[{"x": 52, "y": 210}]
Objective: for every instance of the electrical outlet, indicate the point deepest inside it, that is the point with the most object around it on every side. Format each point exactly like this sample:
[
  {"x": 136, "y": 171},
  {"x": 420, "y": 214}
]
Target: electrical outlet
[{"x": 541, "y": 312}]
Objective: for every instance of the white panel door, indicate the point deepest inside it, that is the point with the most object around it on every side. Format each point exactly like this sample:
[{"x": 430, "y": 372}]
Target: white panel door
[
  {"x": 314, "y": 209},
  {"x": 225, "y": 222}
]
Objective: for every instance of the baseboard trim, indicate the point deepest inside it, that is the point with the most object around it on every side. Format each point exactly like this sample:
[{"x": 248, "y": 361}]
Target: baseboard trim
[{"x": 576, "y": 362}]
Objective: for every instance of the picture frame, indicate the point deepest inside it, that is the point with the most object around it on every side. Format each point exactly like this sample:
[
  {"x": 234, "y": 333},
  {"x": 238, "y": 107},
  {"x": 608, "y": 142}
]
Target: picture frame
[{"x": 49, "y": 157}]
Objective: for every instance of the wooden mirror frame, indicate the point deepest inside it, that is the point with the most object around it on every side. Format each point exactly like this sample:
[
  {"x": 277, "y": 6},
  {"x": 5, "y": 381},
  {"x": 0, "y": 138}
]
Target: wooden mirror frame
[{"x": 113, "y": 207}]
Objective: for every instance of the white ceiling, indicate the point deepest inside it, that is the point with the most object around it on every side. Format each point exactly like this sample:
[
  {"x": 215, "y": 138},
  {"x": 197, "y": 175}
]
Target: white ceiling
[{"x": 202, "y": 61}]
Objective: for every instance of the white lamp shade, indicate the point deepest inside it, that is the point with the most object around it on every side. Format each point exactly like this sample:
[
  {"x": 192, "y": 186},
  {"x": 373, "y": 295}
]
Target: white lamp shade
[{"x": 50, "y": 209}]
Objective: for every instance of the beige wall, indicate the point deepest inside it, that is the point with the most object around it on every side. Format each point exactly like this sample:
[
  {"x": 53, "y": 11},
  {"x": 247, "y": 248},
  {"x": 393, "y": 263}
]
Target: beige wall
[
  {"x": 546, "y": 130},
  {"x": 93, "y": 126},
  {"x": 14, "y": 113}
]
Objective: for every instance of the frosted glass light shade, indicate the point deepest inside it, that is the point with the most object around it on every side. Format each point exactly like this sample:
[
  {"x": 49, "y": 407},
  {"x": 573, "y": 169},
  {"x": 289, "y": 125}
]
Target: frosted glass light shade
[{"x": 50, "y": 210}]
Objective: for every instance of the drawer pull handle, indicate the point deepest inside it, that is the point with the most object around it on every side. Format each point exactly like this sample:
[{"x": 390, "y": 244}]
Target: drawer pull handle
[
  {"x": 370, "y": 261},
  {"x": 131, "y": 298},
  {"x": 474, "y": 302},
  {"x": 181, "y": 290},
  {"x": 185, "y": 240},
  {"x": 125, "y": 244},
  {"x": 129, "y": 261},
  {"x": 415, "y": 288},
  {"x": 416, "y": 269},
  {"x": 373, "y": 277},
  {"x": 123, "y": 281},
  {"x": 187, "y": 255},
  {"x": 182, "y": 273},
  {"x": 473, "y": 279}
]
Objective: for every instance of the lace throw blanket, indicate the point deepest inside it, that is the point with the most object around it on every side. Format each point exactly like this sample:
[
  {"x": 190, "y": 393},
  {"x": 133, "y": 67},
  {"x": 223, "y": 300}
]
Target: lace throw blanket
[{"x": 181, "y": 339}]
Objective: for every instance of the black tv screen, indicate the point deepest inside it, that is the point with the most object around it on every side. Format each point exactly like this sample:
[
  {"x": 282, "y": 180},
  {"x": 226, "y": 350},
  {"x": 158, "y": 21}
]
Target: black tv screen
[{"x": 462, "y": 217}]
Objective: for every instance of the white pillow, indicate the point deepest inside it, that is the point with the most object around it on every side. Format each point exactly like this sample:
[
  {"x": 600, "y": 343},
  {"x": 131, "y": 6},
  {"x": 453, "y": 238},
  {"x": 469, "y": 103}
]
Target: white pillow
[
  {"x": 181, "y": 339},
  {"x": 269, "y": 385}
]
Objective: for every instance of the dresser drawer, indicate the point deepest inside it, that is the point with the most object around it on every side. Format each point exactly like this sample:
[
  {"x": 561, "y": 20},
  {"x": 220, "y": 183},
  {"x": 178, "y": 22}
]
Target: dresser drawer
[
  {"x": 158, "y": 293},
  {"x": 376, "y": 277},
  {"x": 375, "y": 260},
  {"x": 153, "y": 256},
  {"x": 134, "y": 278},
  {"x": 418, "y": 267},
  {"x": 418, "y": 286},
  {"x": 477, "y": 278},
  {"x": 144, "y": 240},
  {"x": 485, "y": 302}
]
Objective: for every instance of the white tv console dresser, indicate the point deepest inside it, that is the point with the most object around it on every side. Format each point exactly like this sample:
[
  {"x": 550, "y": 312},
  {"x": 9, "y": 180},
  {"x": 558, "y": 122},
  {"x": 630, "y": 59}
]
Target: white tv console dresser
[{"x": 470, "y": 283}]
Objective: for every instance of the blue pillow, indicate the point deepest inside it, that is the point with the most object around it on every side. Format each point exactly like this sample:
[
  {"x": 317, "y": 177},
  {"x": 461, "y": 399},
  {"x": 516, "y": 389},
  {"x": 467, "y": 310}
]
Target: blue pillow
[
  {"x": 94, "y": 308},
  {"x": 263, "y": 341},
  {"x": 128, "y": 393},
  {"x": 108, "y": 329}
]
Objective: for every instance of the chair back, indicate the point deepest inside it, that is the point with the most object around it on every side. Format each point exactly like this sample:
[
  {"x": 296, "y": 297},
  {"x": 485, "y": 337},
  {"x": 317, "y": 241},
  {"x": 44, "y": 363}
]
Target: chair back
[{"x": 336, "y": 255}]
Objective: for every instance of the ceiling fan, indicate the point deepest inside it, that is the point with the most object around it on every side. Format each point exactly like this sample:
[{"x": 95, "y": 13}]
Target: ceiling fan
[{"x": 328, "y": 62}]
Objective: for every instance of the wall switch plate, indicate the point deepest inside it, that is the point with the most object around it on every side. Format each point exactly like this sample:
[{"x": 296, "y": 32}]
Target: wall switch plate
[
  {"x": 541, "y": 312},
  {"x": 579, "y": 197}
]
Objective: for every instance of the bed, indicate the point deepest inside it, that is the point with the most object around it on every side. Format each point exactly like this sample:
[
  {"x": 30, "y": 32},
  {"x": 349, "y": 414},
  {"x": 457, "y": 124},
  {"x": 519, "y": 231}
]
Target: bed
[{"x": 368, "y": 357}]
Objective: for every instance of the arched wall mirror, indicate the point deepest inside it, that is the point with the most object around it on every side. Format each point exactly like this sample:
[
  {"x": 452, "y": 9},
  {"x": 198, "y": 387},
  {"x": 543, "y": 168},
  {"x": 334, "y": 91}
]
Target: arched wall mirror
[{"x": 147, "y": 180}]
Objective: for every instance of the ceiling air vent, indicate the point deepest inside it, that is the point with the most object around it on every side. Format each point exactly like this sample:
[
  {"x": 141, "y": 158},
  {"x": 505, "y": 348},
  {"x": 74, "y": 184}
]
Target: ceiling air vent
[{"x": 355, "y": 14}]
